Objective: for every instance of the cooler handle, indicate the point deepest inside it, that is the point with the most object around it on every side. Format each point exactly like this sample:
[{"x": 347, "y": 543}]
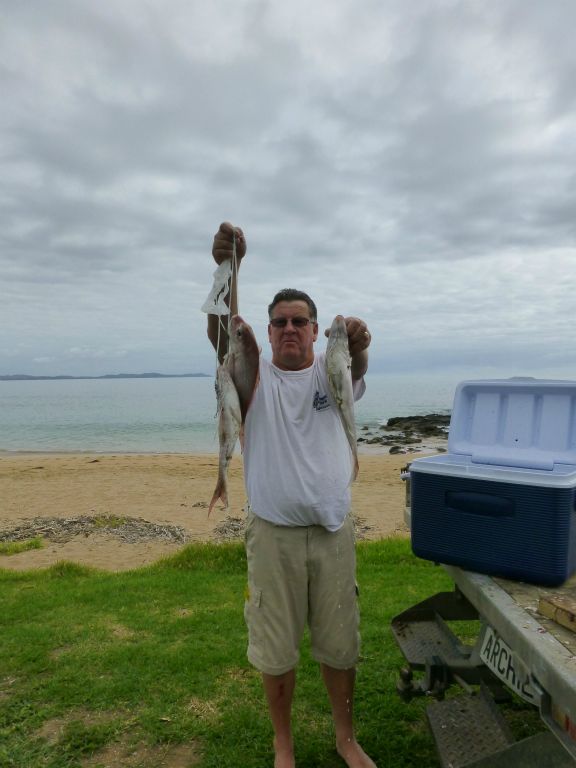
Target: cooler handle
[{"x": 480, "y": 503}]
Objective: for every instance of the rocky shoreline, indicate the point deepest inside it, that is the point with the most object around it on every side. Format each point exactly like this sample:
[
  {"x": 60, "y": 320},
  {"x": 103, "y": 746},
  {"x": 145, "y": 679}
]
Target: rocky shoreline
[{"x": 401, "y": 432}]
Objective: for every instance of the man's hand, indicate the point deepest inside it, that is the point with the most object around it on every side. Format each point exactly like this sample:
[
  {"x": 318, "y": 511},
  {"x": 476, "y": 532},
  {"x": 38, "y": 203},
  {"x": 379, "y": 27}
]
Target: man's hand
[
  {"x": 222, "y": 248},
  {"x": 359, "y": 337}
]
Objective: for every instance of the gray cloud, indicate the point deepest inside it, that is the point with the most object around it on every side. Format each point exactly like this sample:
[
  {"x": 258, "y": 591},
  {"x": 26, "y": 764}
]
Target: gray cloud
[{"x": 412, "y": 165}]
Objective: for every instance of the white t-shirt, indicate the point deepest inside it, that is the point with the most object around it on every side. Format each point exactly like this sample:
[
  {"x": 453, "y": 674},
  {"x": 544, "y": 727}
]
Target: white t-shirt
[{"x": 297, "y": 461}]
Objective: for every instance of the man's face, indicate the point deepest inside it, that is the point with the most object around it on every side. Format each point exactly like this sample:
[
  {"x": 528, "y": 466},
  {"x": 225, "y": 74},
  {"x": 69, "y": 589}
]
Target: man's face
[{"x": 292, "y": 343}]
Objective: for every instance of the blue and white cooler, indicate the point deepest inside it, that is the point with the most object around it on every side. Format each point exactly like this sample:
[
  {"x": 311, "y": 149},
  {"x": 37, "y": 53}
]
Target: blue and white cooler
[{"x": 502, "y": 501}]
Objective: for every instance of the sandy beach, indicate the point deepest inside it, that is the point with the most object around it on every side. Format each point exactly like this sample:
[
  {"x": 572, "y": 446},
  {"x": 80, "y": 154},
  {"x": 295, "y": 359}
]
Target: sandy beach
[{"x": 169, "y": 490}]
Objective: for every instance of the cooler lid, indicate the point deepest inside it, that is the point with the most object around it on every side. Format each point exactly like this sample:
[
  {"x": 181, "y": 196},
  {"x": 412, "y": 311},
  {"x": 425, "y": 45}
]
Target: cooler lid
[{"x": 518, "y": 422}]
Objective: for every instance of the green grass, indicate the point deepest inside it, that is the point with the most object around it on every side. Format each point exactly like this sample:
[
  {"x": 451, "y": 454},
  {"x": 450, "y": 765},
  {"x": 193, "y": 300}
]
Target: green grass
[
  {"x": 152, "y": 663},
  {"x": 14, "y": 547},
  {"x": 109, "y": 521}
]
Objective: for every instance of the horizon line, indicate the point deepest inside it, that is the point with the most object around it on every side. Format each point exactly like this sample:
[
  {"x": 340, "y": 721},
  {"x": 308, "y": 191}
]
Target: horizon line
[{"x": 59, "y": 377}]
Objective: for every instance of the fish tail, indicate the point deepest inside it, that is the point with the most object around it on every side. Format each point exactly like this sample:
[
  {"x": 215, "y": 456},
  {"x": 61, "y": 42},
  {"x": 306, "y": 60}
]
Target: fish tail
[{"x": 220, "y": 493}]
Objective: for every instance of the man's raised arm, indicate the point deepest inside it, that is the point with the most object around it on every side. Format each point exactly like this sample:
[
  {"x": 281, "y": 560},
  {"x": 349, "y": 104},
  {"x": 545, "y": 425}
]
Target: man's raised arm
[{"x": 222, "y": 249}]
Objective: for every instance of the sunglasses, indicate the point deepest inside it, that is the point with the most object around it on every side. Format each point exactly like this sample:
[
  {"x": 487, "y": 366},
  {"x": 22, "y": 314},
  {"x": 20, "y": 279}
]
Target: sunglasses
[{"x": 297, "y": 322}]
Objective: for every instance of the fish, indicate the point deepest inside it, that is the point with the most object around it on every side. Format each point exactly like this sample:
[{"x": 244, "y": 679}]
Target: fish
[
  {"x": 236, "y": 380},
  {"x": 338, "y": 369},
  {"x": 243, "y": 361},
  {"x": 230, "y": 421}
]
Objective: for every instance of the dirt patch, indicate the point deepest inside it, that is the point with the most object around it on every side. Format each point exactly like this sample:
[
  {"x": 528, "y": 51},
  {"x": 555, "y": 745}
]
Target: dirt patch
[
  {"x": 53, "y": 729},
  {"x": 125, "y": 751},
  {"x": 120, "y": 632},
  {"x": 7, "y": 685},
  {"x": 124, "y": 754},
  {"x": 56, "y": 653},
  {"x": 184, "y": 613},
  {"x": 204, "y": 710}
]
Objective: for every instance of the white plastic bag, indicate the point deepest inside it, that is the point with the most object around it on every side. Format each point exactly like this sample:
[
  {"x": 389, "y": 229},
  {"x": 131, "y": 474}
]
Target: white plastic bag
[{"x": 215, "y": 304}]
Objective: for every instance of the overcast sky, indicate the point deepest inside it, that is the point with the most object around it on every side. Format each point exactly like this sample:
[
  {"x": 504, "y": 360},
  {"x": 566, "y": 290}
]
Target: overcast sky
[{"x": 411, "y": 163}]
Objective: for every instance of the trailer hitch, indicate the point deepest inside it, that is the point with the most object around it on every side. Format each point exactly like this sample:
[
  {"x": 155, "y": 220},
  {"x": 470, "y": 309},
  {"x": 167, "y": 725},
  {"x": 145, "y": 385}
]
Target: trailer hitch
[{"x": 435, "y": 682}]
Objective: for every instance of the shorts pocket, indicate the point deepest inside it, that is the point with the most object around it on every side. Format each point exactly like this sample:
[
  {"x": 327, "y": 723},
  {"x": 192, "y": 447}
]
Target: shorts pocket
[
  {"x": 253, "y": 618},
  {"x": 253, "y": 596}
]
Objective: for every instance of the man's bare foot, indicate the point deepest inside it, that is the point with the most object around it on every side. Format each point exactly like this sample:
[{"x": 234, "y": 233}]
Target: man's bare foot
[
  {"x": 283, "y": 757},
  {"x": 354, "y": 756}
]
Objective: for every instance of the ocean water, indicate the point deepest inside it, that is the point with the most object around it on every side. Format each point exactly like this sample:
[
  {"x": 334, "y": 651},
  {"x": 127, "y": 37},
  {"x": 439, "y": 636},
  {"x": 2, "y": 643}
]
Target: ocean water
[{"x": 166, "y": 415}]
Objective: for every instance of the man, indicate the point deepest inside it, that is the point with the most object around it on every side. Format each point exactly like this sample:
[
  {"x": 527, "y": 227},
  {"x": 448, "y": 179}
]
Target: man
[{"x": 299, "y": 538}]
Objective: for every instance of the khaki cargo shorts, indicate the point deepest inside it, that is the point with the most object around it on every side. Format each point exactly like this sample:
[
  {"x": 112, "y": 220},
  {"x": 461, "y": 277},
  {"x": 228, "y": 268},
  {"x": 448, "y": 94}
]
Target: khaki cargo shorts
[{"x": 295, "y": 576}]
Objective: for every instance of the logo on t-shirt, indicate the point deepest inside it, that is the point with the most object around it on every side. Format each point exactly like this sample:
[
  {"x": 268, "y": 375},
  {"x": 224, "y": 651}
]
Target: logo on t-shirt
[{"x": 320, "y": 402}]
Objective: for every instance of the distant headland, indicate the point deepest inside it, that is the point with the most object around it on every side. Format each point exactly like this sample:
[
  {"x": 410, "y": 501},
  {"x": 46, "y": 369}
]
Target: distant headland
[{"x": 25, "y": 377}]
